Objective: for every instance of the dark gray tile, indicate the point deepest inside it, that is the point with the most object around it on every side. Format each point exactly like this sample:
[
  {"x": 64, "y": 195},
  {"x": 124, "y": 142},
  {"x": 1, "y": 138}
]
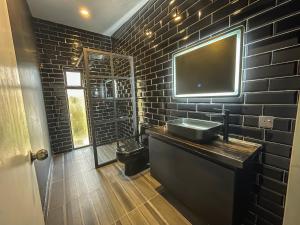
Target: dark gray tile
[
  {"x": 272, "y": 98},
  {"x": 288, "y": 111},
  {"x": 285, "y": 55},
  {"x": 278, "y": 70},
  {"x": 286, "y": 83},
  {"x": 277, "y": 12},
  {"x": 279, "y": 137}
]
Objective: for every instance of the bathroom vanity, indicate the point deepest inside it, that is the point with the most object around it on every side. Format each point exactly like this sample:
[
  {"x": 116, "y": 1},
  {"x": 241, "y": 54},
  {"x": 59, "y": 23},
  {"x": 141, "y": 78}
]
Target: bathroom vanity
[{"x": 212, "y": 179}]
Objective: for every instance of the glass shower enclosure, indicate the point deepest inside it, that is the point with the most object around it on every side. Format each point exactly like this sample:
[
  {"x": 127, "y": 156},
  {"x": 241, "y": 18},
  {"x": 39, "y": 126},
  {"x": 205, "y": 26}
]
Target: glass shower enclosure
[{"x": 111, "y": 101}]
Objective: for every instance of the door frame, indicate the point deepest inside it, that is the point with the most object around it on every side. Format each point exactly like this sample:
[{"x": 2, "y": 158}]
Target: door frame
[{"x": 292, "y": 203}]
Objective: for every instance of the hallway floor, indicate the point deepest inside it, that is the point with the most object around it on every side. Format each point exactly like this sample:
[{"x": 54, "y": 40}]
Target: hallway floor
[{"x": 81, "y": 195}]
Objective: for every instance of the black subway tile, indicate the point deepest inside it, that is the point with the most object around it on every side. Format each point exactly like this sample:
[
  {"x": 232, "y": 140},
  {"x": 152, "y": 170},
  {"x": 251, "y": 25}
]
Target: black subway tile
[
  {"x": 208, "y": 107},
  {"x": 276, "y": 161},
  {"x": 271, "y": 195},
  {"x": 272, "y": 172},
  {"x": 189, "y": 40},
  {"x": 251, "y": 121},
  {"x": 247, "y": 131},
  {"x": 288, "y": 23},
  {"x": 198, "y": 115},
  {"x": 239, "y": 99},
  {"x": 252, "y": 9},
  {"x": 287, "y": 97},
  {"x": 277, "y": 12},
  {"x": 258, "y": 60},
  {"x": 286, "y": 83},
  {"x": 199, "y": 100},
  {"x": 198, "y": 6},
  {"x": 187, "y": 107},
  {"x": 256, "y": 85},
  {"x": 279, "y": 70},
  {"x": 178, "y": 113},
  {"x": 224, "y": 23},
  {"x": 229, "y": 9},
  {"x": 278, "y": 149},
  {"x": 282, "y": 124},
  {"x": 171, "y": 106},
  {"x": 245, "y": 109},
  {"x": 260, "y": 33},
  {"x": 276, "y": 209},
  {"x": 279, "y": 137},
  {"x": 273, "y": 43},
  {"x": 200, "y": 25},
  {"x": 273, "y": 185},
  {"x": 188, "y": 22},
  {"x": 285, "y": 55},
  {"x": 186, "y": 4},
  {"x": 288, "y": 111}
]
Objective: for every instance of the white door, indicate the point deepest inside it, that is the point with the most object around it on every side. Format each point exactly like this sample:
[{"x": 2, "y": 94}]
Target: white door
[
  {"x": 19, "y": 196},
  {"x": 292, "y": 204}
]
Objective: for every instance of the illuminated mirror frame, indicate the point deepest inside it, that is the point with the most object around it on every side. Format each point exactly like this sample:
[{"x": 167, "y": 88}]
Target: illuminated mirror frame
[{"x": 239, "y": 32}]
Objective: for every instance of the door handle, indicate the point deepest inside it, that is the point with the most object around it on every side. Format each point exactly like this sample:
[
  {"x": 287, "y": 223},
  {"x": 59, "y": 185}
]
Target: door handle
[{"x": 41, "y": 154}]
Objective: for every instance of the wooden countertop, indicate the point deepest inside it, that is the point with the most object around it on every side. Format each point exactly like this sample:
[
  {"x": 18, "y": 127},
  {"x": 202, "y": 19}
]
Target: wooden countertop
[{"x": 235, "y": 153}]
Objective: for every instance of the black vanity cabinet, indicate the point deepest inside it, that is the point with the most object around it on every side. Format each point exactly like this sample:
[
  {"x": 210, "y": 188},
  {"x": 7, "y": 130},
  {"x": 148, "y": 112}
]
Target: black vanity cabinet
[{"x": 214, "y": 180}]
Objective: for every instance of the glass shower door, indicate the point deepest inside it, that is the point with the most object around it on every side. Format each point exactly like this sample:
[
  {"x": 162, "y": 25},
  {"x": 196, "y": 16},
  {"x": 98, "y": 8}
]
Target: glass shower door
[{"x": 111, "y": 90}]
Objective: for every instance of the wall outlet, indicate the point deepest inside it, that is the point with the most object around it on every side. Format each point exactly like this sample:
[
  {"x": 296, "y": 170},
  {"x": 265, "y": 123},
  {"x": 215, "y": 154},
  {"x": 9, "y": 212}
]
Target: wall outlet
[{"x": 266, "y": 121}]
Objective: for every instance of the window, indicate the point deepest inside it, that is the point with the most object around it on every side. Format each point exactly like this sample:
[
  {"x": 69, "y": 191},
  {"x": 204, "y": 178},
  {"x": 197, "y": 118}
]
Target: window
[
  {"x": 77, "y": 108},
  {"x": 73, "y": 79}
]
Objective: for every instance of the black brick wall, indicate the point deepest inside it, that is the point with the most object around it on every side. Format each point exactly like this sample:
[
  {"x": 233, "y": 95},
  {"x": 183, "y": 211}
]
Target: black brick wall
[
  {"x": 271, "y": 78},
  {"x": 57, "y": 45}
]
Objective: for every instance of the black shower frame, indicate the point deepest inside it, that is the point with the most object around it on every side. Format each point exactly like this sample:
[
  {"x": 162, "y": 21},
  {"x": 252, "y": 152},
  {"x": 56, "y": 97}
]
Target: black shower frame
[{"x": 84, "y": 57}]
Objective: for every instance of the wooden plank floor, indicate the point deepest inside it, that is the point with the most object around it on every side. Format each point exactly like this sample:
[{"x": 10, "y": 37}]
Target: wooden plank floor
[
  {"x": 106, "y": 153},
  {"x": 82, "y": 195}
]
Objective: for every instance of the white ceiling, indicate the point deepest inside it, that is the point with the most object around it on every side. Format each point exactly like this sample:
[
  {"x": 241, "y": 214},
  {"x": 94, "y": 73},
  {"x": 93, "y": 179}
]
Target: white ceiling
[{"x": 106, "y": 15}]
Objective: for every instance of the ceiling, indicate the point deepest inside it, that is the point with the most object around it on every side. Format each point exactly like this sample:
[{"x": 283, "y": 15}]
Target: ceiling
[{"x": 105, "y": 17}]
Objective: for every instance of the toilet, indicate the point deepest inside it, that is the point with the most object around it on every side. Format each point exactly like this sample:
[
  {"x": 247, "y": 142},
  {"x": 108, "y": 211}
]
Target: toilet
[
  {"x": 134, "y": 155},
  {"x": 134, "y": 152}
]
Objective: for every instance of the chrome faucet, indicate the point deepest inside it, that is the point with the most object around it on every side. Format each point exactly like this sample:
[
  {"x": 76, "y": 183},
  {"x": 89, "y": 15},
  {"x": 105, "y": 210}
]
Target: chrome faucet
[{"x": 226, "y": 116}]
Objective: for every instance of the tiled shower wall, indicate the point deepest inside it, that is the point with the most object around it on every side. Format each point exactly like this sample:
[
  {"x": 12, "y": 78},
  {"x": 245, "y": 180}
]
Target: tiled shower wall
[
  {"x": 58, "y": 45},
  {"x": 103, "y": 108},
  {"x": 271, "y": 78}
]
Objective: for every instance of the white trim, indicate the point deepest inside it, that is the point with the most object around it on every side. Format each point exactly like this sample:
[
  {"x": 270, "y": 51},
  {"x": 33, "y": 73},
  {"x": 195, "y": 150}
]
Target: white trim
[
  {"x": 48, "y": 186},
  {"x": 238, "y": 71},
  {"x": 113, "y": 28},
  {"x": 292, "y": 203}
]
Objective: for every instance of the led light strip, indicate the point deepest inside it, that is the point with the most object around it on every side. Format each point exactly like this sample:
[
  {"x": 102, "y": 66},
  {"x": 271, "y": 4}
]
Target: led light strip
[{"x": 238, "y": 65}]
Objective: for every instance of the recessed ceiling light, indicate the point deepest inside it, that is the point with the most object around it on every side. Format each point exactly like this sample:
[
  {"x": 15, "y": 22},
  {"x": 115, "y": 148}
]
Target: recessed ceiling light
[{"x": 84, "y": 12}]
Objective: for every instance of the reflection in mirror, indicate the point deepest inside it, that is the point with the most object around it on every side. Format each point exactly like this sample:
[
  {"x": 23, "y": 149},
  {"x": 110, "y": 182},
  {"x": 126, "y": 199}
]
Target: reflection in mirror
[{"x": 210, "y": 69}]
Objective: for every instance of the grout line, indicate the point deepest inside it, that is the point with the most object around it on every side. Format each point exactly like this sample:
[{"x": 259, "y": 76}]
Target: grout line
[{"x": 272, "y": 78}]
